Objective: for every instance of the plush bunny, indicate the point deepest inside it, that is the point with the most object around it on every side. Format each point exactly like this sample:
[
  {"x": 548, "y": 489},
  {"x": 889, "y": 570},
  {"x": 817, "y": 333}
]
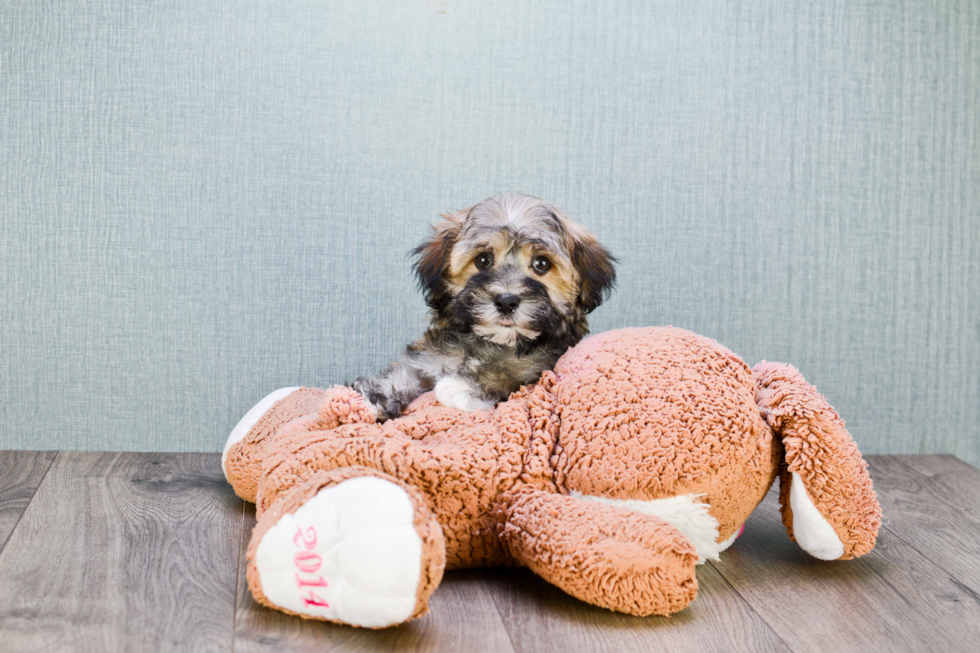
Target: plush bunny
[{"x": 639, "y": 457}]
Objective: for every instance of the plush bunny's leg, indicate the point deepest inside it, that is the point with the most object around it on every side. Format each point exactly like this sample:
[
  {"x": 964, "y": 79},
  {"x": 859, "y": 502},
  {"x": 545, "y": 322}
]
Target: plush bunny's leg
[
  {"x": 352, "y": 546},
  {"x": 604, "y": 555},
  {"x": 304, "y": 449},
  {"x": 828, "y": 504}
]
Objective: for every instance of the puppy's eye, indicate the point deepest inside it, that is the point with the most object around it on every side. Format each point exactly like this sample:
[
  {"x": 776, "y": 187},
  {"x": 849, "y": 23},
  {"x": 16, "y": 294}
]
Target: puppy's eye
[
  {"x": 484, "y": 260},
  {"x": 540, "y": 264}
]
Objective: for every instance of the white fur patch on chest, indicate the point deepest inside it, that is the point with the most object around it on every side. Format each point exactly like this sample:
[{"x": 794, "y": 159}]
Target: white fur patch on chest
[
  {"x": 684, "y": 512},
  {"x": 455, "y": 392}
]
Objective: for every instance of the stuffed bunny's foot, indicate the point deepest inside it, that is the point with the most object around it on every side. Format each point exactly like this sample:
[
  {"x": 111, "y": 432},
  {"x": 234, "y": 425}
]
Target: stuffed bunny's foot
[
  {"x": 254, "y": 414},
  {"x": 244, "y": 451},
  {"x": 350, "y": 546}
]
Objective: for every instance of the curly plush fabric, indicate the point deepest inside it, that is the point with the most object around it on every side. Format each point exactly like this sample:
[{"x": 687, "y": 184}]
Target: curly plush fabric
[
  {"x": 821, "y": 451},
  {"x": 653, "y": 413},
  {"x": 643, "y": 447},
  {"x": 244, "y": 458},
  {"x": 617, "y": 558}
]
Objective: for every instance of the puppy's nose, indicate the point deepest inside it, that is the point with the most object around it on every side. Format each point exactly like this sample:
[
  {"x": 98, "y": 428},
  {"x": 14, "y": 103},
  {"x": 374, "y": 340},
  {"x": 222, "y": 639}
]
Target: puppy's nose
[{"x": 506, "y": 303}]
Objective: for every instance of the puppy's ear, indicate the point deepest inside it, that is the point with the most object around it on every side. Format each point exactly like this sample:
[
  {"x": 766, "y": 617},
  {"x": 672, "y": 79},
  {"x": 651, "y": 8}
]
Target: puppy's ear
[
  {"x": 432, "y": 258},
  {"x": 596, "y": 269}
]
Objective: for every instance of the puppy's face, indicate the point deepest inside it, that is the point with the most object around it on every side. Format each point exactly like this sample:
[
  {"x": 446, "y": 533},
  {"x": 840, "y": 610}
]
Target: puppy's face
[{"x": 513, "y": 269}]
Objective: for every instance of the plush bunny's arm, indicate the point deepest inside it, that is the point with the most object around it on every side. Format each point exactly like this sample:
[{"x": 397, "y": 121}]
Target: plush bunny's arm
[
  {"x": 829, "y": 507},
  {"x": 603, "y": 555},
  {"x": 303, "y": 448}
]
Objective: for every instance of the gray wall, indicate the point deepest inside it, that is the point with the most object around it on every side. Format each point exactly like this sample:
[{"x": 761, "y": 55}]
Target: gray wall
[{"x": 202, "y": 201}]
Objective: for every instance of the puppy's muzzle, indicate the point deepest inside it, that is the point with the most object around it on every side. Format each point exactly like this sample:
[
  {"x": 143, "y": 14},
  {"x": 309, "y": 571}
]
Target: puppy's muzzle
[{"x": 506, "y": 303}]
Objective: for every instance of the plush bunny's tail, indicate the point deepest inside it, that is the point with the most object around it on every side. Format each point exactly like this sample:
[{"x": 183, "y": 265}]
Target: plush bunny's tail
[{"x": 828, "y": 505}]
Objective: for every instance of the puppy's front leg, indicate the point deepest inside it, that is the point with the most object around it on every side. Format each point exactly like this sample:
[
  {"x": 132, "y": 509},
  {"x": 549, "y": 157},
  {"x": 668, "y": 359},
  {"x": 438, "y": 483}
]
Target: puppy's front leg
[
  {"x": 391, "y": 391},
  {"x": 458, "y": 392}
]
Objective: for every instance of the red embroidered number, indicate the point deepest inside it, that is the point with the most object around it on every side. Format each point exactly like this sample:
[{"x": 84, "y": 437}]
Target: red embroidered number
[{"x": 308, "y": 563}]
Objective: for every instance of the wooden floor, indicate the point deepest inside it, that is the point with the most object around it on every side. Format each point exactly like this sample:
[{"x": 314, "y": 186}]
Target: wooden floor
[{"x": 143, "y": 552}]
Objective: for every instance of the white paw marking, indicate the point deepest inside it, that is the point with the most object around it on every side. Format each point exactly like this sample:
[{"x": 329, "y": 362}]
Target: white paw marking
[
  {"x": 684, "y": 512},
  {"x": 813, "y": 533},
  {"x": 254, "y": 414},
  {"x": 455, "y": 392},
  {"x": 349, "y": 554}
]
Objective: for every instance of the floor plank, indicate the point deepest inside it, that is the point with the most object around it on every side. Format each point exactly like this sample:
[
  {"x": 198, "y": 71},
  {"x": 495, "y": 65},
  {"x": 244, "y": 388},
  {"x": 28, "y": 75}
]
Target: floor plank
[
  {"x": 540, "y": 617},
  {"x": 892, "y": 599},
  {"x": 144, "y": 552},
  {"x": 930, "y": 503},
  {"x": 938, "y": 464},
  {"x": 123, "y": 552},
  {"x": 462, "y": 617},
  {"x": 20, "y": 474}
]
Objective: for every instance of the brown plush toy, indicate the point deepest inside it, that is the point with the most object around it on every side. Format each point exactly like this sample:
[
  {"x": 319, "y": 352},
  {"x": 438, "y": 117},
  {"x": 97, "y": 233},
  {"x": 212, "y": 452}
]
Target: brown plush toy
[{"x": 638, "y": 458}]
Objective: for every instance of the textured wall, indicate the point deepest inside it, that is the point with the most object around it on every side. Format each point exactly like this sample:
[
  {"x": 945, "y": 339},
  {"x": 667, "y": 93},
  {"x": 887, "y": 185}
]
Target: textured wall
[{"x": 201, "y": 201}]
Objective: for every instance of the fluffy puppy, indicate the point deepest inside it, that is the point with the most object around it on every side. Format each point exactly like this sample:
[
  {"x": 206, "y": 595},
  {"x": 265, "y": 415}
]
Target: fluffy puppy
[{"x": 509, "y": 282}]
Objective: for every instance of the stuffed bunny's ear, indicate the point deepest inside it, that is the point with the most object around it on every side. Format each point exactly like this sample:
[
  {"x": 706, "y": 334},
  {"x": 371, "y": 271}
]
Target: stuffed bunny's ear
[{"x": 829, "y": 507}]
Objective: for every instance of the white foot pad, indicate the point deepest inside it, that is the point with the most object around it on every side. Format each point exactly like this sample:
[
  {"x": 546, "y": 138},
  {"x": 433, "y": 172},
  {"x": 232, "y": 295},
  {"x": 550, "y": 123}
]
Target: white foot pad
[
  {"x": 349, "y": 554},
  {"x": 254, "y": 414},
  {"x": 813, "y": 533}
]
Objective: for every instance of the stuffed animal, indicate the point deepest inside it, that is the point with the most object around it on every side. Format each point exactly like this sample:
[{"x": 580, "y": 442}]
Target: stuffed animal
[{"x": 639, "y": 457}]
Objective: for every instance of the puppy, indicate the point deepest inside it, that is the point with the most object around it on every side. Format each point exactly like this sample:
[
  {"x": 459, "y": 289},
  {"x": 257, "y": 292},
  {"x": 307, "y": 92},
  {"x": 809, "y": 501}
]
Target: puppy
[{"x": 509, "y": 282}]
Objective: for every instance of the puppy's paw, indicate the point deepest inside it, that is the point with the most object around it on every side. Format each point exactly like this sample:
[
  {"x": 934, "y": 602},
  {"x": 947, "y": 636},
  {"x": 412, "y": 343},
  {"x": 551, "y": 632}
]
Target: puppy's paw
[
  {"x": 454, "y": 392},
  {"x": 381, "y": 406}
]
